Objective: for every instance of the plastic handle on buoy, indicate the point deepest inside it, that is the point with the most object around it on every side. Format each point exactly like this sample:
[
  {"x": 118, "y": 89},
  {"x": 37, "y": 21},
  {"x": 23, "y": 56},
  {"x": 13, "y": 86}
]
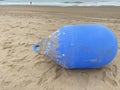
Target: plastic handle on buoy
[{"x": 35, "y": 48}]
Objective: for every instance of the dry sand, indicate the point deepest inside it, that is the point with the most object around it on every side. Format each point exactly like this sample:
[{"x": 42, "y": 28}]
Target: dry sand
[{"x": 22, "y": 69}]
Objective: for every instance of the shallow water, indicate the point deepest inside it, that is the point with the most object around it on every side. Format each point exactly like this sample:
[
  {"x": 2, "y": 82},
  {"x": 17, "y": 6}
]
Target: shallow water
[{"x": 63, "y": 2}]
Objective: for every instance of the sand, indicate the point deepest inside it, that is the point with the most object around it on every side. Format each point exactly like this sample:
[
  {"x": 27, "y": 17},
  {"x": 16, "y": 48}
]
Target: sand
[{"x": 22, "y": 69}]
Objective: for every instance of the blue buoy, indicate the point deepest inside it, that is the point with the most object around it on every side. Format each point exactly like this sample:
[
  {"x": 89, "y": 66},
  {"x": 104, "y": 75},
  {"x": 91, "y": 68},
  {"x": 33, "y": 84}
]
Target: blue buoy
[{"x": 80, "y": 46}]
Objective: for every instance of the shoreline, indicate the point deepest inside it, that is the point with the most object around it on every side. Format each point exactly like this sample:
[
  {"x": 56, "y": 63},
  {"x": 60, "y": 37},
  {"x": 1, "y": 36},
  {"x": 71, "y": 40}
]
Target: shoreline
[
  {"x": 100, "y": 3},
  {"x": 40, "y": 6},
  {"x": 58, "y": 5}
]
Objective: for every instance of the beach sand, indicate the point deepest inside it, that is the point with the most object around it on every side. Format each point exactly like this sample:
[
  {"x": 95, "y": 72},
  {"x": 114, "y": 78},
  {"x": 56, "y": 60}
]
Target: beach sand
[{"x": 22, "y": 69}]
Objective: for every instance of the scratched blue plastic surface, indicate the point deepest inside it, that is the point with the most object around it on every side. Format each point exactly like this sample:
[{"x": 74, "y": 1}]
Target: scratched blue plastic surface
[{"x": 86, "y": 46}]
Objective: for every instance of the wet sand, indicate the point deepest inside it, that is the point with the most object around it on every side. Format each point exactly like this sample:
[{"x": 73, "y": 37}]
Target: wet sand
[{"x": 22, "y": 69}]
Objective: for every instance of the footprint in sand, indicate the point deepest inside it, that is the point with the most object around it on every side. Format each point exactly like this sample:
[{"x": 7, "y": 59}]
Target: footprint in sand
[
  {"x": 30, "y": 34},
  {"x": 52, "y": 30},
  {"x": 10, "y": 51},
  {"x": 114, "y": 70},
  {"x": 45, "y": 76},
  {"x": 25, "y": 44},
  {"x": 6, "y": 30},
  {"x": 26, "y": 82},
  {"x": 20, "y": 68},
  {"x": 111, "y": 81},
  {"x": 110, "y": 74},
  {"x": 3, "y": 62},
  {"x": 18, "y": 60},
  {"x": 5, "y": 83},
  {"x": 7, "y": 45},
  {"x": 30, "y": 22},
  {"x": 58, "y": 72}
]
